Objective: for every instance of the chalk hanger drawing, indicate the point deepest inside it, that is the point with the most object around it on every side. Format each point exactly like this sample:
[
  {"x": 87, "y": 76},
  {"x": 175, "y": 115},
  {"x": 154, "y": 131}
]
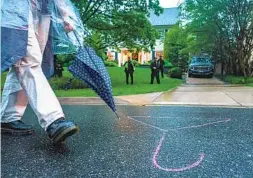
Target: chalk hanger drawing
[{"x": 158, "y": 148}]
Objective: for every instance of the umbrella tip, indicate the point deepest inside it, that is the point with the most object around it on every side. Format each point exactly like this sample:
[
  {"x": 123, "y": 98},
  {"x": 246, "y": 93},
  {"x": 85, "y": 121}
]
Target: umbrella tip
[
  {"x": 117, "y": 115},
  {"x": 121, "y": 115}
]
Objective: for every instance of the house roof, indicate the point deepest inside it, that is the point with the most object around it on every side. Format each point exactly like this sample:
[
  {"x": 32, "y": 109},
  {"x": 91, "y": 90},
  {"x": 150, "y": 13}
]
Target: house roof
[{"x": 170, "y": 16}]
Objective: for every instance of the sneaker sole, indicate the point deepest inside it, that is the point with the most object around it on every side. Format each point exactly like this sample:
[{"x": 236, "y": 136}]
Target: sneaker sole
[
  {"x": 17, "y": 132},
  {"x": 61, "y": 137}
]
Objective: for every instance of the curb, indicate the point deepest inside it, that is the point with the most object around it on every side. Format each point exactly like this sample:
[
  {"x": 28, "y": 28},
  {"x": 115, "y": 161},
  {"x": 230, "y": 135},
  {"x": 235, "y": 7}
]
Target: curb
[
  {"x": 197, "y": 105},
  {"x": 88, "y": 101},
  {"x": 170, "y": 90},
  {"x": 99, "y": 101}
]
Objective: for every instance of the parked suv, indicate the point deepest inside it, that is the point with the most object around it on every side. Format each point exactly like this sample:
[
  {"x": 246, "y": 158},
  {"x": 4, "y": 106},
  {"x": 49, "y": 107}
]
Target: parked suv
[{"x": 201, "y": 66}]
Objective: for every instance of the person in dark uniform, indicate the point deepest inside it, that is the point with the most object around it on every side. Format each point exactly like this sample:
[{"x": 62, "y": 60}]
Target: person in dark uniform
[
  {"x": 129, "y": 70},
  {"x": 59, "y": 70},
  {"x": 155, "y": 68},
  {"x": 161, "y": 61}
]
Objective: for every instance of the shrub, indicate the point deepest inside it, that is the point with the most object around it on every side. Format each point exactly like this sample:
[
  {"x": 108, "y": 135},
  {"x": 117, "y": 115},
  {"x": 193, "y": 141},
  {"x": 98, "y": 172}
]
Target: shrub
[
  {"x": 236, "y": 79},
  {"x": 167, "y": 64},
  {"x": 60, "y": 83},
  {"x": 145, "y": 65},
  {"x": 110, "y": 64},
  {"x": 147, "y": 62},
  {"x": 102, "y": 55},
  {"x": 115, "y": 61},
  {"x": 65, "y": 59},
  {"x": 67, "y": 64},
  {"x": 175, "y": 72},
  {"x": 249, "y": 80},
  {"x": 136, "y": 63},
  {"x": 78, "y": 84}
]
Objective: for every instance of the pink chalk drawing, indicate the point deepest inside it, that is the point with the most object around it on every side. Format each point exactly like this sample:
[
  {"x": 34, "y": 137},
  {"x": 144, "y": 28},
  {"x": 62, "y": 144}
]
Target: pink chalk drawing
[
  {"x": 202, "y": 125},
  {"x": 178, "y": 128},
  {"x": 157, "y": 150},
  {"x": 143, "y": 123},
  {"x": 154, "y": 160}
]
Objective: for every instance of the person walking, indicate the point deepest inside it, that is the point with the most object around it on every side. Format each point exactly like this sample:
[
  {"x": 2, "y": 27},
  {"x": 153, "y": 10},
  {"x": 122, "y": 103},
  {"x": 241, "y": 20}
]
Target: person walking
[
  {"x": 155, "y": 67},
  {"x": 129, "y": 70},
  {"x": 25, "y": 31}
]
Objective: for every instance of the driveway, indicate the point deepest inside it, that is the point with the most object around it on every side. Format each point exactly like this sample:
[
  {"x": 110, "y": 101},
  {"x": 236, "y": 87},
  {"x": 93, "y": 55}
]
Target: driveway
[
  {"x": 210, "y": 92},
  {"x": 204, "y": 81}
]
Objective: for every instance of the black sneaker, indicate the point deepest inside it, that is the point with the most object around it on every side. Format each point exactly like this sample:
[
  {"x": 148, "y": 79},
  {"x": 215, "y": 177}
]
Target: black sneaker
[
  {"x": 60, "y": 129},
  {"x": 16, "y": 128}
]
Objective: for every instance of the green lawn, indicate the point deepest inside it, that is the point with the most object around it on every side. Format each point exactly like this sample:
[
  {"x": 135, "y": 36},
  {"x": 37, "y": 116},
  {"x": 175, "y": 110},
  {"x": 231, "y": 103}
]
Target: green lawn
[
  {"x": 3, "y": 77},
  {"x": 141, "y": 84}
]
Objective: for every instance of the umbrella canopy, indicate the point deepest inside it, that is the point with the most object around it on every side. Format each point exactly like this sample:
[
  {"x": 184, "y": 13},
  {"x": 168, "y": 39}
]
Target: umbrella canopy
[{"x": 90, "y": 68}]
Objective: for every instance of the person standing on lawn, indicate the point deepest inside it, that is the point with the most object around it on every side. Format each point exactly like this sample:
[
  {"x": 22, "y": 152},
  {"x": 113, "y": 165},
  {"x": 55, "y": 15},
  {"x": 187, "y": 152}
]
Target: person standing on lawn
[
  {"x": 129, "y": 70},
  {"x": 25, "y": 33},
  {"x": 59, "y": 69},
  {"x": 155, "y": 68},
  {"x": 161, "y": 61}
]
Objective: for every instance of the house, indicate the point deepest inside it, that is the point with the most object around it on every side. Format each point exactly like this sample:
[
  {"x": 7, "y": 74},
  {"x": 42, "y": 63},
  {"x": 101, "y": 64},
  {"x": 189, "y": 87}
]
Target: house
[{"x": 162, "y": 23}]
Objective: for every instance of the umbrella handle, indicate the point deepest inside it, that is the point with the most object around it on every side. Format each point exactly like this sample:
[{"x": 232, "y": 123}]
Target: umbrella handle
[
  {"x": 76, "y": 36},
  {"x": 75, "y": 33}
]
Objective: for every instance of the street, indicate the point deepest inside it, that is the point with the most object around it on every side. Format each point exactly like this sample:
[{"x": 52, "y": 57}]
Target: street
[
  {"x": 178, "y": 73},
  {"x": 155, "y": 141}
]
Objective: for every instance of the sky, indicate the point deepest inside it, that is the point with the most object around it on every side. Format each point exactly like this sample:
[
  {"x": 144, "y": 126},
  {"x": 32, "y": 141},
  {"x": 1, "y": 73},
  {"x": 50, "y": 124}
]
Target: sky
[{"x": 168, "y": 3}]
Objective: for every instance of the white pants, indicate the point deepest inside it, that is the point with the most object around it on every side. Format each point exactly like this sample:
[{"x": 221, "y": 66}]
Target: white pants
[{"x": 25, "y": 83}]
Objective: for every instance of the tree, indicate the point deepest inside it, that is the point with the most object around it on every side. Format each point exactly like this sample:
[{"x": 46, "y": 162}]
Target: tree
[
  {"x": 226, "y": 26},
  {"x": 176, "y": 47},
  {"x": 118, "y": 23}
]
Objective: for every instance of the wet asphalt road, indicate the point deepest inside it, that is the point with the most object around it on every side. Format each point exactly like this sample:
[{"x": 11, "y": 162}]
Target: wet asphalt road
[{"x": 155, "y": 142}]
